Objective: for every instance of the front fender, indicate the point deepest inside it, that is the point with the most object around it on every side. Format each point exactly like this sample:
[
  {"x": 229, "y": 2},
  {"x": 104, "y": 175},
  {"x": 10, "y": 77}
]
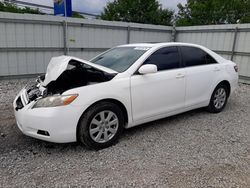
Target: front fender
[{"x": 118, "y": 89}]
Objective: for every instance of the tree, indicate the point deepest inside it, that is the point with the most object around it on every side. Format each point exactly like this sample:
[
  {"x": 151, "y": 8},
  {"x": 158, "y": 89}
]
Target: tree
[
  {"x": 204, "y": 12},
  {"x": 77, "y": 15},
  {"x": 140, "y": 11},
  {"x": 10, "y": 7}
]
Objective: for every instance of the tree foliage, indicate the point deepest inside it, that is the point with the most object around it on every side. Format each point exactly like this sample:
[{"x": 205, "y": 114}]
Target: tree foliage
[
  {"x": 10, "y": 7},
  {"x": 77, "y": 15},
  {"x": 204, "y": 12},
  {"x": 140, "y": 11}
]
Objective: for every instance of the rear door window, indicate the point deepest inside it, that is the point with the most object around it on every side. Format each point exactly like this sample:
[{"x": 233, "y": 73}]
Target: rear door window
[{"x": 193, "y": 56}]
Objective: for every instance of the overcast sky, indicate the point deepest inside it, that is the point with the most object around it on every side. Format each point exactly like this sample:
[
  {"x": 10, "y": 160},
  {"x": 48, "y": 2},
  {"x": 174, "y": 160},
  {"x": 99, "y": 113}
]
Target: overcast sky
[{"x": 96, "y": 6}]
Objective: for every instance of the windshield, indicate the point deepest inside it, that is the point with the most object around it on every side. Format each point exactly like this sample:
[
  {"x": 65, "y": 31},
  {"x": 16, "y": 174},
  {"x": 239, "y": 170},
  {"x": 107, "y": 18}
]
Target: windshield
[{"x": 120, "y": 58}]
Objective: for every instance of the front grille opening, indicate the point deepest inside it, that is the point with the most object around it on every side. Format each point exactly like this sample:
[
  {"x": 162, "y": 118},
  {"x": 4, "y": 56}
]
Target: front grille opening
[
  {"x": 19, "y": 104},
  {"x": 42, "y": 132}
]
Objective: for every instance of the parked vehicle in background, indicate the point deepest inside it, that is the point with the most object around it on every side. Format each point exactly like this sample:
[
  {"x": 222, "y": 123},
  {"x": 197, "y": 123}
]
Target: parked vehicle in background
[{"x": 93, "y": 101}]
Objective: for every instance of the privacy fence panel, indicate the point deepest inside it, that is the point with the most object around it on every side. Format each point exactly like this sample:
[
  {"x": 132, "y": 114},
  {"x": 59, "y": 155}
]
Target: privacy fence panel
[
  {"x": 230, "y": 41},
  {"x": 27, "y": 42}
]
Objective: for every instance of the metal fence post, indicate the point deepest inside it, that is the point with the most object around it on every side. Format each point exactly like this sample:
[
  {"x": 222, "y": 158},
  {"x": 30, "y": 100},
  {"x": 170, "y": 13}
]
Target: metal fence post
[
  {"x": 65, "y": 47},
  {"x": 173, "y": 34},
  {"x": 234, "y": 43},
  {"x": 128, "y": 34}
]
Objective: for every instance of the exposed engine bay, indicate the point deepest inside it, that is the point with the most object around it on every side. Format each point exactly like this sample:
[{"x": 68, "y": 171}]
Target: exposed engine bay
[{"x": 76, "y": 74}]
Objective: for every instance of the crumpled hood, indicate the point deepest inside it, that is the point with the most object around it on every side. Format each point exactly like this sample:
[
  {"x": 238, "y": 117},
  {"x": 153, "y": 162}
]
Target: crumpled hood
[{"x": 58, "y": 65}]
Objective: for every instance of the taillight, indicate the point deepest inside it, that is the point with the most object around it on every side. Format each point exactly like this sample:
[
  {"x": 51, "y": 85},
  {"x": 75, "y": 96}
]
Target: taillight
[{"x": 236, "y": 68}]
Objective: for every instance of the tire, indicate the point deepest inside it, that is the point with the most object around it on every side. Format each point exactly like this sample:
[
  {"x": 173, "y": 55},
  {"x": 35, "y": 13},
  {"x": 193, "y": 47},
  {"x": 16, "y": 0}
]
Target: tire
[
  {"x": 101, "y": 125},
  {"x": 218, "y": 99}
]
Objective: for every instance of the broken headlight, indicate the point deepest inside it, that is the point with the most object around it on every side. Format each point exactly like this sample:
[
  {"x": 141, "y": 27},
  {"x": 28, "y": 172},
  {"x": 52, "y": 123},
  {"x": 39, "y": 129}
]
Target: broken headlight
[{"x": 56, "y": 100}]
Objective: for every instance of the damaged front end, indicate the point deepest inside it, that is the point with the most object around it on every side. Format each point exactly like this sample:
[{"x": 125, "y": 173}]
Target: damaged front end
[{"x": 63, "y": 73}]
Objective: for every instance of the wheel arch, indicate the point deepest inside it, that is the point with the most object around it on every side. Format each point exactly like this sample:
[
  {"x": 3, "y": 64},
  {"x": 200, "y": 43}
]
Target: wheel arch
[
  {"x": 114, "y": 101},
  {"x": 227, "y": 84}
]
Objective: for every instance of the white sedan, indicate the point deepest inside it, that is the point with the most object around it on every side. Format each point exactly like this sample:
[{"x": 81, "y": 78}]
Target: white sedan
[{"x": 93, "y": 101}]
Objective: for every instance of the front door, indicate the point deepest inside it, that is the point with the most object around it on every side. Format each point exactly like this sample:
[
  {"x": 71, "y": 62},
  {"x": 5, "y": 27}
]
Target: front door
[{"x": 161, "y": 92}]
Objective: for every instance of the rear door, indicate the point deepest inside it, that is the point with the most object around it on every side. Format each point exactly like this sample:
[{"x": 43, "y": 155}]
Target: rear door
[
  {"x": 201, "y": 72},
  {"x": 161, "y": 92}
]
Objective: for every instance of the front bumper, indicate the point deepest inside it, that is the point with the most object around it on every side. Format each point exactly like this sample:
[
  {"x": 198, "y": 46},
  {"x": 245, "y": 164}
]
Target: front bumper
[{"x": 60, "y": 122}]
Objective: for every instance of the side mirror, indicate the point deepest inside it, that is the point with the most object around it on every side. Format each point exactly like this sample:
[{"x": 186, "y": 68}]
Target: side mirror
[{"x": 147, "y": 69}]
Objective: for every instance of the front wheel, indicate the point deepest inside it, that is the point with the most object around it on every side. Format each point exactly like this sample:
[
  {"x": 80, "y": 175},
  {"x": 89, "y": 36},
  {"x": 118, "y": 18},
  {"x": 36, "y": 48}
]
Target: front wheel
[
  {"x": 101, "y": 125},
  {"x": 218, "y": 99}
]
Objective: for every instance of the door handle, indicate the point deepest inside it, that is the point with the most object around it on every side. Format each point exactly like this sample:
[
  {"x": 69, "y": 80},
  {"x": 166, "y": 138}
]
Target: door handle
[
  {"x": 216, "y": 69},
  {"x": 180, "y": 76}
]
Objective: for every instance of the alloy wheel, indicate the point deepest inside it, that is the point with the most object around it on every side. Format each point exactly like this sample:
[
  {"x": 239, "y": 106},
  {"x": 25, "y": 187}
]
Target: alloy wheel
[
  {"x": 103, "y": 126},
  {"x": 220, "y": 98}
]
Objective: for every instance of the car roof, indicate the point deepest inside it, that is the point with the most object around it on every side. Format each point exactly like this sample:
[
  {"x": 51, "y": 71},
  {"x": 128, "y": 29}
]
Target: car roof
[
  {"x": 159, "y": 44},
  {"x": 165, "y": 44}
]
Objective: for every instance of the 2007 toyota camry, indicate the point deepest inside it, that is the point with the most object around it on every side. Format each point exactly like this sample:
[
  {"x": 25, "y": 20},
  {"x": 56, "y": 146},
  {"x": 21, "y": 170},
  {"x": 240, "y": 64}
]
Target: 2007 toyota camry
[{"x": 93, "y": 101}]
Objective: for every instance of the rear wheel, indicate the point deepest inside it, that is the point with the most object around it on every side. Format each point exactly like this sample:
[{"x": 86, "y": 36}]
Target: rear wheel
[
  {"x": 101, "y": 125},
  {"x": 218, "y": 99}
]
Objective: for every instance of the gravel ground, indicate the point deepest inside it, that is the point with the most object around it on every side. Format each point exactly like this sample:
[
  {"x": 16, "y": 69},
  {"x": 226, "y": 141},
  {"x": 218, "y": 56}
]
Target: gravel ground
[{"x": 194, "y": 149}]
